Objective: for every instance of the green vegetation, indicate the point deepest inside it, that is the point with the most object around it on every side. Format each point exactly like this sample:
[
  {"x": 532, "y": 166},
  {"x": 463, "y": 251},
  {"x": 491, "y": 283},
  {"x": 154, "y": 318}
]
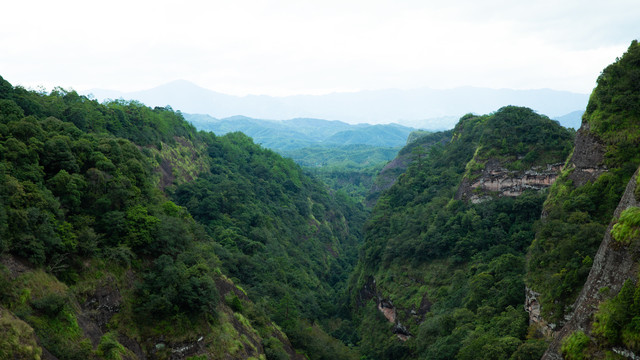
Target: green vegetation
[
  {"x": 110, "y": 349},
  {"x": 123, "y": 229},
  {"x": 466, "y": 260},
  {"x": 627, "y": 230},
  {"x": 81, "y": 201},
  {"x": 349, "y": 168},
  {"x": 349, "y": 157},
  {"x": 576, "y": 217},
  {"x": 303, "y": 132},
  {"x": 574, "y": 347},
  {"x": 17, "y": 339},
  {"x": 345, "y": 157},
  {"x": 279, "y": 233},
  {"x": 415, "y": 135},
  {"x": 617, "y": 322}
]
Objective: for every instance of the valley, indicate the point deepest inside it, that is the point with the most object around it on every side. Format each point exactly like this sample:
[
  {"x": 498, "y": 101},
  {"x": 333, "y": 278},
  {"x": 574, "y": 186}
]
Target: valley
[{"x": 136, "y": 232}]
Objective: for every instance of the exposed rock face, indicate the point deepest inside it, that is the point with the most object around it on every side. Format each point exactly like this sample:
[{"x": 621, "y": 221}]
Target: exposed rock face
[
  {"x": 388, "y": 310},
  {"x": 14, "y": 265},
  {"x": 367, "y": 292},
  {"x": 100, "y": 306},
  {"x": 103, "y": 303},
  {"x": 588, "y": 157},
  {"x": 385, "y": 306},
  {"x": 532, "y": 306},
  {"x": 612, "y": 266},
  {"x": 495, "y": 179}
]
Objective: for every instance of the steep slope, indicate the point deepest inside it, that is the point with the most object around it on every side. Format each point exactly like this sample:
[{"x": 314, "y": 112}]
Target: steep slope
[
  {"x": 288, "y": 241},
  {"x": 445, "y": 274},
  {"x": 582, "y": 202},
  {"x": 589, "y": 206},
  {"x": 613, "y": 265},
  {"x": 98, "y": 262}
]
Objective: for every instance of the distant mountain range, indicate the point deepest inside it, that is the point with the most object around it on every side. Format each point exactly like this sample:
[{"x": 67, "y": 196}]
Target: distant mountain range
[
  {"x": 304, "y": 132},
  {"x": 571, "y": 120},
  {"x": 420, "y": 108}
]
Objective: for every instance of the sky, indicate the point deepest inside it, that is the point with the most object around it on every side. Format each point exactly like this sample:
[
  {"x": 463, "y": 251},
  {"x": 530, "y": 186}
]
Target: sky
[{"x": 281, "y": 47}]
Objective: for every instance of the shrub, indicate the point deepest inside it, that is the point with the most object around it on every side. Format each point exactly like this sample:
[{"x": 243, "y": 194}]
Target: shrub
[
  {"x": 50, "y": 305},
  {"x": 575, "y": 345},
  {"x": 628, "y": 227}
]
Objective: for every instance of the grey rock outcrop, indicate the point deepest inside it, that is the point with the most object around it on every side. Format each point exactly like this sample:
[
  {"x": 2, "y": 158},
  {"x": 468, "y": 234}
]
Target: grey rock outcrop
[
  {"x": 496, "y": 179},
  {"x": 587, "y": 160}
]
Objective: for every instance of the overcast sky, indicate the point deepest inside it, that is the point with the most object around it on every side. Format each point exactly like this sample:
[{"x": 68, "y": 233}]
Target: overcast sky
[{"x": 313, "y": 47}]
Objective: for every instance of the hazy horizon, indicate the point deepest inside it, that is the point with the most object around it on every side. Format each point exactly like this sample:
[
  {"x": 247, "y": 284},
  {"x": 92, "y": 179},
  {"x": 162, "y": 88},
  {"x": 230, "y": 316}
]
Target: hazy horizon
[
  {"x": 90, "y": 90},
  {"x": 284, "y": 48},
  {"x": 420, "y": 108}
]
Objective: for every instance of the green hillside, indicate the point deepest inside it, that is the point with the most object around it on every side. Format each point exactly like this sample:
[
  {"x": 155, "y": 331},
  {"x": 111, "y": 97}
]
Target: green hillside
[
  {"x": 346, "y": 157},
  {"x": 123, "y": 231},
  {"x": 448, "y": 274}
]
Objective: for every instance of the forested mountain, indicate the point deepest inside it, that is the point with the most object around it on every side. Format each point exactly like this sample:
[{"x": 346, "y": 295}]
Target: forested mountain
[
  {"x": 590, "y": 228},
  {"x": 344, "y": 156},
  {"x": 441, "y": 271},
  {"x": 300, "y": 133},
  {"x": 124, "y": 231}
]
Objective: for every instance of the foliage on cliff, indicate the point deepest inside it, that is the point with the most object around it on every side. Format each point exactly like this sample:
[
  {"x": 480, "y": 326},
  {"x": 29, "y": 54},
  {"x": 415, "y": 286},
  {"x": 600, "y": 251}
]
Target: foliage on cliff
[
  {"x": 454, "y": 270},
  {"x": 81, "y": 203},
  {"x": 615, "y": 324},
  {"x": 576, "y": 217}
]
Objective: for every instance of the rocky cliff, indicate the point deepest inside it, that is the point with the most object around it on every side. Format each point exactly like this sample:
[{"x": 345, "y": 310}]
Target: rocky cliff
[
  {"x": 587, "y": 161},
  {"x": 574, "y": 266},
  {"x": 585, "y": 165},
  {"x": 448, "y": 273},
  {"x": 495, "y": 179},
  {"x": 612, "y": 266}
]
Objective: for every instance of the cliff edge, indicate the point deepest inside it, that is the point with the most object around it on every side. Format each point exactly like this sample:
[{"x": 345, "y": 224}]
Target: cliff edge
[{"x": 612, "y": 266}]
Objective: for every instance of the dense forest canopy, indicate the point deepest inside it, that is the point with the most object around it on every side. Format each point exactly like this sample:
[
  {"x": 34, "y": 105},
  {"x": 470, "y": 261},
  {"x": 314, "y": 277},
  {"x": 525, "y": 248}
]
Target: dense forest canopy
[{"x": 81, "y": 192}]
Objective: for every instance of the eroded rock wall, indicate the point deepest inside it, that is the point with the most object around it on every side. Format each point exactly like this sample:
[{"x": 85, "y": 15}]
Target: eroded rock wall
[
  {"x": 587, "y": 160},
  {"x": 495, "y": 179}
]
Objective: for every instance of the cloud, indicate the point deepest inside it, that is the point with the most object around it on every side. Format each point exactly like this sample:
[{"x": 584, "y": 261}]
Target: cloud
[{"x": 285, "y": 47}]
